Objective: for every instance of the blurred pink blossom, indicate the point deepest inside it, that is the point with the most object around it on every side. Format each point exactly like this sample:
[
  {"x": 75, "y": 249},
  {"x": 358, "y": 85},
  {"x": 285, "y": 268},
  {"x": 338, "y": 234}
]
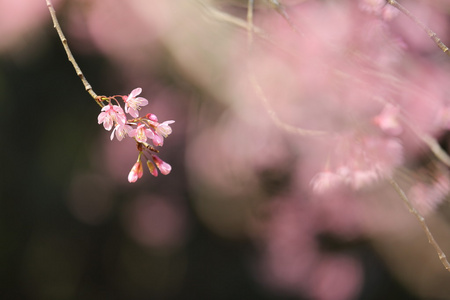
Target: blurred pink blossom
[
  {"x": 292, "y": 260},
  {"x": 155, "y": 221},
  {"x": 358, "y": 71},
  {"x": 388, "y": 120},
  {"x": 337, "y": 278},
  {"x": 325, "y": 181}
]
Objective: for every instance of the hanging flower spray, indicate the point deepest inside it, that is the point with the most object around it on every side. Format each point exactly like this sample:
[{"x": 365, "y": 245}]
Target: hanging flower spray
[{"x": 146, "y": 131}]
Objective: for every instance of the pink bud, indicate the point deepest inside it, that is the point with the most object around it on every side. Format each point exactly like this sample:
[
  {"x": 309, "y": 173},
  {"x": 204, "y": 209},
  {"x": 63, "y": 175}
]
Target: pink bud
[
  {"x": 152, "y": 168},
  {"x": 152, "y": 117},
  {"x": 136, "y": 172},
  {"x": 164, "y": 167}
]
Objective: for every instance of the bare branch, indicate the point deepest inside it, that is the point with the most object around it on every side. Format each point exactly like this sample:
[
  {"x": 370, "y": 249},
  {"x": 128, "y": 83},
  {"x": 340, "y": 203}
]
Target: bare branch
[
  {"x": 56, "y": 25},
  {"x": 422, "y": 222},
  {"x": 430, "y": 32},
  {"x": 259, "y": 91}
]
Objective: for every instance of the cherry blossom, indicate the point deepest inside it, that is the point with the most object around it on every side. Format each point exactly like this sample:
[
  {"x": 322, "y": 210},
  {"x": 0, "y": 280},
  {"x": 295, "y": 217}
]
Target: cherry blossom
[
  {"x": 369, "y": 159},
  {"x": 139, "y": 128},
  {"x": 162, "y": 131},
  {"x": 325, "y": 181},
  {"x": 388, "y": 120},
  {"x": 111, "y": 114},
  {"x": 121, "y": 131},
  {"x": 141, "y": 133},
  {"x": 133, "y": 103},
  {"x": 359, "y": 161}
]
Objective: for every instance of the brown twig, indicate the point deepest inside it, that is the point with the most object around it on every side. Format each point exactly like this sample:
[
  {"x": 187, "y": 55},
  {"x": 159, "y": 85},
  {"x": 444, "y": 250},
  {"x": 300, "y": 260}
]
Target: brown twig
[
  {"x": 422, "y": 222},
  {"x": 427, "y": 139},
  {"x": 259, "y": 91},
  {"x": 86, "y": 84},
  {"x": 422, "y": 25}
]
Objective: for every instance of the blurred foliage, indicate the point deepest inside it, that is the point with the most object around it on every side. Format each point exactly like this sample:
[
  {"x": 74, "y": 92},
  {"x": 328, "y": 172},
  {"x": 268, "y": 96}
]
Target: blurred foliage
[{"x": 50, "y": 136}]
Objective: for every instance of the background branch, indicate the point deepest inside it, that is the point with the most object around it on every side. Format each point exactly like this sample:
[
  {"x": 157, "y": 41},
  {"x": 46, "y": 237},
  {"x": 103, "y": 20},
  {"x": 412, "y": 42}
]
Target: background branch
[{"x": 422, "y": 222}]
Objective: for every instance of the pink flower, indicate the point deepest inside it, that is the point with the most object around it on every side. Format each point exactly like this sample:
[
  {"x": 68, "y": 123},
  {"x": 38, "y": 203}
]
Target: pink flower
[
  {"x": 325, "y": 181},
  {"x": 162, "y": 131},
  {"x": 363, "y": 160},
  {"x": 388, "y": 120},
  {"x": 121, "y": 130},
  {"x": 163, "y": 167},
  {"x": 360, "y": 178},
  {"x": 133, "y": 103},
  {"x": 372, "y": 6},
  {"x": 141, "y": 133},
  {"x": 111, "y": 114},
  {"x": 137, "y": 171}
]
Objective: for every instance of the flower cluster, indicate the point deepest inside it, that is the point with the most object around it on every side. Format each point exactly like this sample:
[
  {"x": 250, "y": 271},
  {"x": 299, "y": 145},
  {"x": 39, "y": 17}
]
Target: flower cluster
[
  {"x": 359, "y": 161},
  {"x": 142, "y": 129}
]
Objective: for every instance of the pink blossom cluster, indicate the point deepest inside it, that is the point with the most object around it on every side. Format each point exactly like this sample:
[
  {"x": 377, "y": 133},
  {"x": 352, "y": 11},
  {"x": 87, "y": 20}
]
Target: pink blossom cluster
[
  {"x": 141, "y": 129},
  {"x": 360, "y": 161}
]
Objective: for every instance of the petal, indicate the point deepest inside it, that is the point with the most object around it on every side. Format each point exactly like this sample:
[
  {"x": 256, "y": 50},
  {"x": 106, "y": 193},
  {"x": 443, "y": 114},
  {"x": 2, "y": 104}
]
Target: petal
[
  {"x": 118, "y": 109},
  {"x": 112, "y": 133},
  {"x": 149, "y": 133},
  {"x": 108, "y": 123},
  {"x": 135, "y": 92},
  {"x": 101, "y": 117},
  {"x": 140, "y": 136},
  {"x": 132, "y": 133},
  {"x": 164, "y": 130},
  {"x": 168, "y": 122},
  {"x": 158, "y": 140},
  {"x": 141, "y": 101},
  {"x": 134, "y": 113},
  {"x": 119, "y": 135}
]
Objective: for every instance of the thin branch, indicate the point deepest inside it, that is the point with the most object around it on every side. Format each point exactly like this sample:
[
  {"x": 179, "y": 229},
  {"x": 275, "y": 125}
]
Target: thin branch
[
  {"x": 250, "y": 24},
  {"x": 275, "y": 118},
  {"x": 422, "y": 222},
  {"x": 221, "y": 16},
  {"x": 422, "y": 25},
  {"x": 436, "y": 148},
  {"x": 56, "y": 25},
  {"x": 259, "y": 91},
  {"x": 275, "y": 4}
]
